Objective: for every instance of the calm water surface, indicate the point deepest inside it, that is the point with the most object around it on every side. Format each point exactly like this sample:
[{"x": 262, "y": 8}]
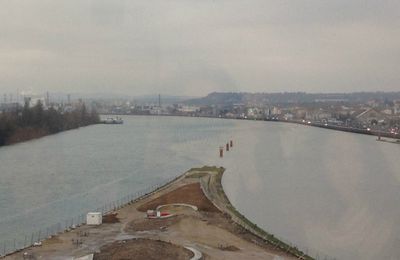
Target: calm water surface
[{"x": 333, "y": 191}]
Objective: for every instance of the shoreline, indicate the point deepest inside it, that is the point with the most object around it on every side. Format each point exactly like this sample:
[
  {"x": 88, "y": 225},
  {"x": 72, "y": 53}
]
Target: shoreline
[
  {"x": 299, "y": 122},
  {"x": 238, "y": 232},
  {"x": 38, "y": 134},
  {"x": 217, "y": 195}
]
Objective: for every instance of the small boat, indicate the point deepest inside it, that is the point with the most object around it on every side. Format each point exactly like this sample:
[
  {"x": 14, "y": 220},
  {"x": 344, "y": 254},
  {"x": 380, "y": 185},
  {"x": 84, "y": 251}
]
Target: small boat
[{"x": 113, "y": 121}]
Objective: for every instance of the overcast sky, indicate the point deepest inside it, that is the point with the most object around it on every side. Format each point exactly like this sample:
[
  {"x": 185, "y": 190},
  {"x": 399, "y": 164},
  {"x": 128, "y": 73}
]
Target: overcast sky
[{"x": 192, "y": 47}]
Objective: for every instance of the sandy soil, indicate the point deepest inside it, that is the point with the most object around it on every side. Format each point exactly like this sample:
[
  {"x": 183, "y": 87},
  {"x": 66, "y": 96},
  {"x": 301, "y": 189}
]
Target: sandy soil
[
  {"x": 189, "y": 194},
  {"x": 143, "y": 249},
  {"x": 146, "y": 224}
]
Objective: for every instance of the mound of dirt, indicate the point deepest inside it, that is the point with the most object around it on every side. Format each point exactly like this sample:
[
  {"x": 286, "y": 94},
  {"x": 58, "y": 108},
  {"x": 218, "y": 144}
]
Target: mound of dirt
[
  {"x": 142, "y": 249},
  {"x": 188, "y": 194},
  {"x": 111, "y": 218},
  {"x": 229, "y": 248}
]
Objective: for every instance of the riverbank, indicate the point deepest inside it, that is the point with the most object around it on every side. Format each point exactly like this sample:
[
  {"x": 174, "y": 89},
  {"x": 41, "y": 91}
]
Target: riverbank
[
  {"x": 26, "y": 134},
  {"x": 30, "y": 133},
  {"x": 27, "y": 123},
  {"x": 354, "y": 130},
  {"x": 212, "y": 230}
]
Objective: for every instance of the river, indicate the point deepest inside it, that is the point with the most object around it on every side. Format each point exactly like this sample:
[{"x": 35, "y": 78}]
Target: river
[{"x": 333, "y": 191}]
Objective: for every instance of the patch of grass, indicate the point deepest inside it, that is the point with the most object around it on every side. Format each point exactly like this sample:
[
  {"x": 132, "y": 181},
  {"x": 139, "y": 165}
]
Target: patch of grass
[
  {"x": 203, "y": 171},
  {"x": 196, "y": 175},
  {"x": 207, "y": 169}
]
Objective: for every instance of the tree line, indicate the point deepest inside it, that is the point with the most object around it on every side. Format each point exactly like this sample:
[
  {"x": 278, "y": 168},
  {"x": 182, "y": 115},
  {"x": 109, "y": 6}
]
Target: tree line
[{"x": 32, "y": 122}]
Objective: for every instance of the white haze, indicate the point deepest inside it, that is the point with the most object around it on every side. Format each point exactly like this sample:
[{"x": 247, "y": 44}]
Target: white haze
[{"x": 191, "y": 47}]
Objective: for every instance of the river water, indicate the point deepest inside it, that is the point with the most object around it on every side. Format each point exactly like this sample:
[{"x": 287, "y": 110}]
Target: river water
[{"x": 333, "y": 191}]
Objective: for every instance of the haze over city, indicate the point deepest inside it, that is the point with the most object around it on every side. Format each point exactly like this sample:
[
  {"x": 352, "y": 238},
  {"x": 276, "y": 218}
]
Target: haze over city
[{"x": 196, "y": 47}]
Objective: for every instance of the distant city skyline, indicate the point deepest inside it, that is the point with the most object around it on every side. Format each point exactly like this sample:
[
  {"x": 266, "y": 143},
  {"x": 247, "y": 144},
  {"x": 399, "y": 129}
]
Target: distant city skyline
[{"x": 192, "y": 48}]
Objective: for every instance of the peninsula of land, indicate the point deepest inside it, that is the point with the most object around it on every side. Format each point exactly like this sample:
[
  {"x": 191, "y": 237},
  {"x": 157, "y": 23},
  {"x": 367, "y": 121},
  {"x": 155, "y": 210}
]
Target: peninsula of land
[{"x": 189, "y": 218}]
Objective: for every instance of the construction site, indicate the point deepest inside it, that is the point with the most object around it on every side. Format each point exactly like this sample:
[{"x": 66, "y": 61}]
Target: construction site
[{"x": 189, "y": 218}]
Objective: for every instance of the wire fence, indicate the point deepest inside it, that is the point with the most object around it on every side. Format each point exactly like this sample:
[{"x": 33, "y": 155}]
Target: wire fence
[
  {"x": 8, "y": 247},
  {"x": 35, "y": 238}
]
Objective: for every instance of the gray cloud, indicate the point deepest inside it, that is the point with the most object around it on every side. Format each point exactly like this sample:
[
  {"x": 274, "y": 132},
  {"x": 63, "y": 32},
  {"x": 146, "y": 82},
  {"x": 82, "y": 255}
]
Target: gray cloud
[{"x": 194, "y": 47}]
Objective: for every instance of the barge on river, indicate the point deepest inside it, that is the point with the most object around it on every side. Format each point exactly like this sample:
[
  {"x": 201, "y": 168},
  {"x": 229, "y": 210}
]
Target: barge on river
[{"x": 113, "y": 121}]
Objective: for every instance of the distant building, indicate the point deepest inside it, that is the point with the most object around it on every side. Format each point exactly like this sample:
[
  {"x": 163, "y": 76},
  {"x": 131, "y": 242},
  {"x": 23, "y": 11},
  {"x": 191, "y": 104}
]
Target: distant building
[
  {"x": 8, "y": 107},
  {"x": 371, "y": 117},
  {"x": 288, "y": 116},
  {"x": 396, "y": 107},
  {"x": 33, "y": 101},
  {"x": 188, "y": 109},
  {"x": 322, "y": 115},
  {"x": 387, "y": 111},
  {"x": 254, "y": 113},
  {"x": 276, "y": 111}
]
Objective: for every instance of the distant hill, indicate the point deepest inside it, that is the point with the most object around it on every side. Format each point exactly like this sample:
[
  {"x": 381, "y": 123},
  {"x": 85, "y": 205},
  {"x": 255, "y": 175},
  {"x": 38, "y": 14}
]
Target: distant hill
[
  {"x": 165, "y": 99},
  {"x": 144, "y": 99},
  {"x": 230, "y": 98}
]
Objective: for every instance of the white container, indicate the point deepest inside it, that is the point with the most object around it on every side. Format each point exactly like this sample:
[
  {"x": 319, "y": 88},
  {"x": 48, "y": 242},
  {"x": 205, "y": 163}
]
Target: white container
[
  {"x": 94, "y": 218},
  {"x": 151, "y": 213}
]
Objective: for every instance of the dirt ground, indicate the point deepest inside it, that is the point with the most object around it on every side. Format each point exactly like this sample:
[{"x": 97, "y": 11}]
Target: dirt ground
[
  {"x": 111, "y": 218},
  {"x": 143, "y": 249},
  {"x": 189, "y": 194},
  {"x": 146, "y": 224}
]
